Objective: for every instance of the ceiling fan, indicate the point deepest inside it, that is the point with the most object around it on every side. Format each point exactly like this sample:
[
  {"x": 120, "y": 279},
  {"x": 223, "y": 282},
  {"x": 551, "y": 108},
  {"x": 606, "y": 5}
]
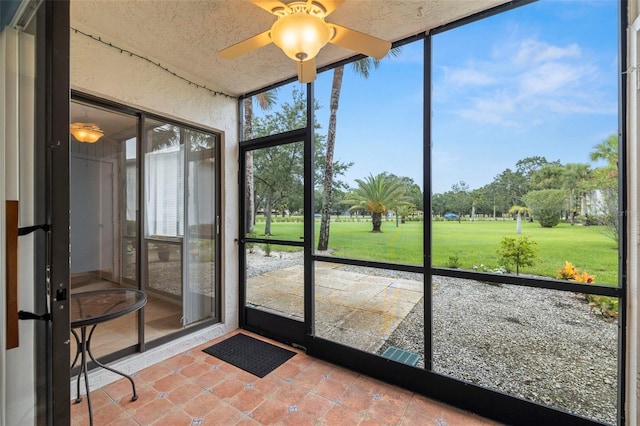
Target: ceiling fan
[{"x": 301, "y": 32}]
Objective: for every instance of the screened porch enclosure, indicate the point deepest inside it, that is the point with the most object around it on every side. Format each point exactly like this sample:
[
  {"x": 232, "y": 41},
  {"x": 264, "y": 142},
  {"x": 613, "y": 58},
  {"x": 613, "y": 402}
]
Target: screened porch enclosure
[{"x": 473, "y": 245}]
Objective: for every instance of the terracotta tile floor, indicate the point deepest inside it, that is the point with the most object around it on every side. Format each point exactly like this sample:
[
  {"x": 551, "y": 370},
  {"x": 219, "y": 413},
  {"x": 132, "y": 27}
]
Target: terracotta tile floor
[{"x": 194, "y": 388}]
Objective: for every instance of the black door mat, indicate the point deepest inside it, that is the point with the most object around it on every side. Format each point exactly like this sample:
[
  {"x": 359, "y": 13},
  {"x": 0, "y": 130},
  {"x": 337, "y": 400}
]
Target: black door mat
[{"x": 252, "y": 355}]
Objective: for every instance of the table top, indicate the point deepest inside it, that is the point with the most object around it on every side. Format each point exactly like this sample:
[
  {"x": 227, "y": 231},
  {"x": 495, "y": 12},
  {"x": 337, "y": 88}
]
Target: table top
[{"x": 93, "y": 307}]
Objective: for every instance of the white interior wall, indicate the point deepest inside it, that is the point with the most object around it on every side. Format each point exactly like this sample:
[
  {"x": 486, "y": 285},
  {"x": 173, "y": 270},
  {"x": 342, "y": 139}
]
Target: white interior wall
[
  {"x": 17, "y": 366},
  {"x": 104, "y": 71}
]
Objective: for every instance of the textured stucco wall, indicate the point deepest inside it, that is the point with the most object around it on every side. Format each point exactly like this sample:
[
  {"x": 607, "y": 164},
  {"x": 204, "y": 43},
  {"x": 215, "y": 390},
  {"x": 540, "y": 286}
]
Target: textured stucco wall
[{"x": 103, "y": 71}]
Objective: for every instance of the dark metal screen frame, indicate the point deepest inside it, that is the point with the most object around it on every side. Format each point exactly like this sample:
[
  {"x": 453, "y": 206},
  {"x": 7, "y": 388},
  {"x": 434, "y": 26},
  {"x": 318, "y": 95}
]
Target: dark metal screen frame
[
  {"x": 288, "y": 331},
  {"x": 481, "y": 400},
  {"x": 51, "y": 257}
]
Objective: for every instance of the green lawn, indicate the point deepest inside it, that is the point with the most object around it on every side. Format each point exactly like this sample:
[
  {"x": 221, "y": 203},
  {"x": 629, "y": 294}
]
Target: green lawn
[
  {"x": 473, "y": 243},
  {"x": 586, "y": 247}
]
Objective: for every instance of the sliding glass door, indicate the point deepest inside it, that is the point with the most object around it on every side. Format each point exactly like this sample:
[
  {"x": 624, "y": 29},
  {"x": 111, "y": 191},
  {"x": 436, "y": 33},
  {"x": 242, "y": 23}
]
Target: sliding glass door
[
  {"x": 144, "y": 214},
  {"x": 180, "y": 220}
]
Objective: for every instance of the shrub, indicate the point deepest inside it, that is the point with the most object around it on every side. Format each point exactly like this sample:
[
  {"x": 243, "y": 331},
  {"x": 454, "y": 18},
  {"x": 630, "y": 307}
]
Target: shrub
[
  {"x": 520, "y": 251},
  {"x": 546, "y": 205},
  {"x": 608, "y": 306},
  {"x": 454, "y": 262}
]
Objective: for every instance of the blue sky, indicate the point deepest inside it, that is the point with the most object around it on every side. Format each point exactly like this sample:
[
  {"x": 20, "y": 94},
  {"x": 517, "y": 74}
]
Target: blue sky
[{"x": 539, "y": 80}]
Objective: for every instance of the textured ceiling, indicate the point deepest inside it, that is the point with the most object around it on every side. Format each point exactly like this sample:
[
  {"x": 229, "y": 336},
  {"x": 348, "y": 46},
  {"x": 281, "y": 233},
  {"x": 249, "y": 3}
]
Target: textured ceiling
[{"x": 185, "y": 35}]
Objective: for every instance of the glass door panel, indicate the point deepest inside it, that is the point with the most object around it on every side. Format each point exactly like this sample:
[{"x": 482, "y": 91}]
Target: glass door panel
[
  {"x": 102, "y": 191},
  {"x": 164, "y": 228},
  {"x": 130, "y": 223},
  {"x": 202, "y": 227},
  {"x": 181, "y": 225}
]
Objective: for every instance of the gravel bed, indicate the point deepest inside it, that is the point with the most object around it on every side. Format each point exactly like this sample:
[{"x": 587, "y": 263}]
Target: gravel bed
[
  {"x": 542, "y": 345},
  {"x": 258, "y": 263}
]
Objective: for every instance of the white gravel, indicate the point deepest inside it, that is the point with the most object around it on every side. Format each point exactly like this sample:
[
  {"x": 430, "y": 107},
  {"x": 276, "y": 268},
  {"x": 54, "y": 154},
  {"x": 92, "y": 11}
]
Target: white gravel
[{"x": 542, "y": 345}]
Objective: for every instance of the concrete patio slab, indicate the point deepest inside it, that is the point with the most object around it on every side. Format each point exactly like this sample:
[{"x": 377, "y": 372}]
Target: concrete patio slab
[
  {"x": 408, "y": 284},
  {"x": 352, "y": 308}
]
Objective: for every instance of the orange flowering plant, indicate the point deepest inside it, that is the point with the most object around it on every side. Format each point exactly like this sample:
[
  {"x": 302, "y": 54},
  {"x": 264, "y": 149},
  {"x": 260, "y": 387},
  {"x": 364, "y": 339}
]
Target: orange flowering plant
[
  {"x": 608, "y": 306},
  {"x": 571, "y": 273}
]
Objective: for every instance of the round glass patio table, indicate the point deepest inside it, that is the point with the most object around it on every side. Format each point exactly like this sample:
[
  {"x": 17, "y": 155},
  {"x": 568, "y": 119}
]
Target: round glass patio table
[{"x": 90, "y": 308}]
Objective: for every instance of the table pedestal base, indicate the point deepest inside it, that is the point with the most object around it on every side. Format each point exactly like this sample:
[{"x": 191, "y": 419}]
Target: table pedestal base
[{"x": 83, "y": 348}]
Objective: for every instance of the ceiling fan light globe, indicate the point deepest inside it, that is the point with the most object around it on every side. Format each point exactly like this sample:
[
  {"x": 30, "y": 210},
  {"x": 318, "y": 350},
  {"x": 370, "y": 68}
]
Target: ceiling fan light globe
[{"x": 300, "y": 35}]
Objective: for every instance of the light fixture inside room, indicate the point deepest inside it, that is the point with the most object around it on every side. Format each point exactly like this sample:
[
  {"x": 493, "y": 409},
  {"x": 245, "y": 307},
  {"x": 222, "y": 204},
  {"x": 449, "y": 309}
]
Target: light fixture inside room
[
  {"x": 300, "y": 35},
  {"x": 86, "y": 132}
]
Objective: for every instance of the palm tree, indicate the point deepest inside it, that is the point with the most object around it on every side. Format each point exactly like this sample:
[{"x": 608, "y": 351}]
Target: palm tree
[
  {"x": 519, "y": 211},
  {"x": 377, "y": 195},
  {"x": 362, "y": 68},
  {"x": 606, "y": 150},
  {"x": 606, "y": 181},
  {"x": 265, "y": 101}
]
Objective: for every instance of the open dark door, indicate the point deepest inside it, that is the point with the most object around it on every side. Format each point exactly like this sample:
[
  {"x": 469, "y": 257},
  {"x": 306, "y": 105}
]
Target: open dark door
[
  {"x": 274, "y": 245},
  {"x": 52, "y": 96}
]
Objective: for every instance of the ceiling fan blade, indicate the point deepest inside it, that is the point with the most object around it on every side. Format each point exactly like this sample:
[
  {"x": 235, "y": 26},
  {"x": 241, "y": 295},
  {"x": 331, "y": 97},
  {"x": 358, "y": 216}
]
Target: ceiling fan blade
[
  {"x": 246, "y": 46},
  {"x": 269, "y": 5},
  {"x": 307, "y": 71},
  {"x": 329, "y": 5},
  {"x": 360, "y": 42}
]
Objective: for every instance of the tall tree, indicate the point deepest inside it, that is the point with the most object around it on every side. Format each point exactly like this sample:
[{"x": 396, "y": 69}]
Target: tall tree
[
  {"x": 278, "y": 177},
  {"x": 510, "y": 186},
  {"x": 460, "y": 198},
  {"x": 527, "y": 166},
  {"x": 362, "y": 68},
  {"x": 377, "y": 195},
  {"x": 277, "y": 170},
  {"x": 549, "y": 176},
  {"x": 575, "y": 176},
  {"x": 266, "y": 101}
]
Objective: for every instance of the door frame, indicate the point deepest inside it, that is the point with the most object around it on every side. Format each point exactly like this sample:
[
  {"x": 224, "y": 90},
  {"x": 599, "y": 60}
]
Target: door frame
[
  {"x": 51, "y": 260},
  {"x": 277, "y": 327}
]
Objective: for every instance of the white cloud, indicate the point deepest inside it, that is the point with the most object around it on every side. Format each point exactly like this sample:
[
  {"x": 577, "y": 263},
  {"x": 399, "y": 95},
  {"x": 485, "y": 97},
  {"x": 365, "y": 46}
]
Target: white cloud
[
  {"x": 533, "y": 52},
  {"x": 495, "y": 110},
  {"x": 548, "y": 78},
  {"x": 469, "y": 76},
  {"x": 525, "y": 80}
]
